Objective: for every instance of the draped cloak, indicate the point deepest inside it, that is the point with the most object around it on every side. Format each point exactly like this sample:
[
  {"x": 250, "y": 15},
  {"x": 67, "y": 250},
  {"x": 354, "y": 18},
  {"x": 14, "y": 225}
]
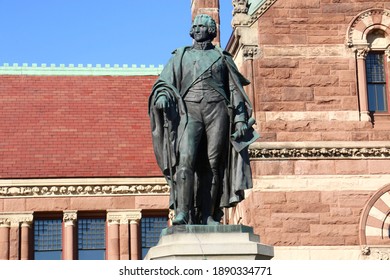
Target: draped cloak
[{"x": 174, "y": 82}]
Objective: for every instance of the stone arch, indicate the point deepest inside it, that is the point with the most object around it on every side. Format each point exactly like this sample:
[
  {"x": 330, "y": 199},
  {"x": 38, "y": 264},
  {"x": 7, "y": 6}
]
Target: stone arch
[
  {"x": 366, "y": 22},
  {"x": 374, "y": 226}
]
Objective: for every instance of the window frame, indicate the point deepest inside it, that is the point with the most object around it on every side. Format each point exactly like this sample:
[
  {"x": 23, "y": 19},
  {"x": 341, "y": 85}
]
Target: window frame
[
  {"x": 89, "y": 215},
  {"x": 148, "y": 216},
  {"x": 46, "y": 217},
  {"x": 385, "y": 83}
]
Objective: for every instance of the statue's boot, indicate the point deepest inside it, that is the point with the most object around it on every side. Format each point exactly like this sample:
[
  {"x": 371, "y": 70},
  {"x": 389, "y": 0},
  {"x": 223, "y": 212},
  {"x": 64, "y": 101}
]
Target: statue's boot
[
  {"x": 210, "y": 209},
  {"x": 185, "y": 186},
  {"x": 181, "y": 219},
  {"x": 212, "y": 222}
]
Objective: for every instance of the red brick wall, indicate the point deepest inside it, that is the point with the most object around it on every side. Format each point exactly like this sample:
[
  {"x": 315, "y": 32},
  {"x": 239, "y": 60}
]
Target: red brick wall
[
  {"x": 75, "y": 126},
  {"x": 311, "y": 83}
]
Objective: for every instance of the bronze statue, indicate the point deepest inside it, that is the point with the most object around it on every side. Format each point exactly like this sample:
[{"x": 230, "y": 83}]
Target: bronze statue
[{"x": 199, "y": 118}]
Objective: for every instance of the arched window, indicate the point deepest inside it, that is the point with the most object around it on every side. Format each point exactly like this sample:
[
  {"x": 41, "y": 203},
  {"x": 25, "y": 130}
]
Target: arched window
[{"x": 369, "y": 37}]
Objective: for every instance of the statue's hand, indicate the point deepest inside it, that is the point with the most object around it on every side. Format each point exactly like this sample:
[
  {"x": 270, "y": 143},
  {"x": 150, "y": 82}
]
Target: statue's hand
[
  {"x": 162, "y": 103},
  {"x": 241, "y": 128}
]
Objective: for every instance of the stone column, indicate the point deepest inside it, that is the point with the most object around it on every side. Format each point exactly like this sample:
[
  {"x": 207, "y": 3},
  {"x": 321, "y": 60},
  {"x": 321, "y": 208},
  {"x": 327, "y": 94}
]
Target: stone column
[
  {"x": 14, "y": 235},
  {"x": 123, "y": 241},
  {"x": 124, "y": 245},
  {"x": 361, "y": 54},
  {"x": 113, "y": 239},
  {"x": 25, "y": 246},
  {"x": 69, "y": 219},
  {"x": 134, "y": 239},
  {"x": 4, "y": 239}
]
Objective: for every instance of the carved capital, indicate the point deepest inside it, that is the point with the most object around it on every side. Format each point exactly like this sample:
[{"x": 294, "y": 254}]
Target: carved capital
[
  {"x": 4, "y": 222},
  {"x": 15, "y": 219},
  {"x": 387, "y": 53},
  {"x": 361, "y": 53},
  {"x": 123, "y": 216},
  {"x": 70, "y": 218},
  {"x": 250, "y": 52},
  {"x": 366, "y": 251}
]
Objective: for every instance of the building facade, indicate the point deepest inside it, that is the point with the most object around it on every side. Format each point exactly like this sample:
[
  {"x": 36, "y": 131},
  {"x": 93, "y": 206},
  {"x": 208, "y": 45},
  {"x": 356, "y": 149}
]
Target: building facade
[
  {"x": 319, "y": 72},
  {"x": 78, "y": 174},
  {"x": 78, "y": 178}
]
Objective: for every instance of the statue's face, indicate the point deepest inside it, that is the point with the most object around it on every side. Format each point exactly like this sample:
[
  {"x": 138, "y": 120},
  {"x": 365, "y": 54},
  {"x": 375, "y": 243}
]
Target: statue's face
[{"x": 200, "y": 28}]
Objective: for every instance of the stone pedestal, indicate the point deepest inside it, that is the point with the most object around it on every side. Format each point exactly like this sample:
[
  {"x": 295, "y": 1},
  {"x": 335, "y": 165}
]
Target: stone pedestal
[{"x": 198, "y": 242}]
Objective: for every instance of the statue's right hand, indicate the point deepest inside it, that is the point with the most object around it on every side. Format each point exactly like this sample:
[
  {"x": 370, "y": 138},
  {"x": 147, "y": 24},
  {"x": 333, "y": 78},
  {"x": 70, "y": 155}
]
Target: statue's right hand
[{"x": 162, "y": 103}]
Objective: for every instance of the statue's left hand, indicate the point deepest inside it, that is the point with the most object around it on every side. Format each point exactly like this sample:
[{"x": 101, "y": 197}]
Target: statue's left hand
[{"x": 241, "y": 128}]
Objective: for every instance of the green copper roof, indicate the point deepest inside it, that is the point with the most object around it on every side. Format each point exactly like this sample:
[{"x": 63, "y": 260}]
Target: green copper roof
[
  {"x": 254, "y": 5},
  {"x": 79, "y": 70}
]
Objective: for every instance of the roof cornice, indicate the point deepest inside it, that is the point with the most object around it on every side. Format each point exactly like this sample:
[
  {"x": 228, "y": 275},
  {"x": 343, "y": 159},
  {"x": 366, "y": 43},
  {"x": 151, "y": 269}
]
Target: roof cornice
[{"x": 79, "y": 70}]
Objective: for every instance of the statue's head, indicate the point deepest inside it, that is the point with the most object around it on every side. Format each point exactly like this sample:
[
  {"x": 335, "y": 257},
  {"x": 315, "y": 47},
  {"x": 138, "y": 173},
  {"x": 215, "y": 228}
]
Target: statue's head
[{"x": 203, "y": 21}]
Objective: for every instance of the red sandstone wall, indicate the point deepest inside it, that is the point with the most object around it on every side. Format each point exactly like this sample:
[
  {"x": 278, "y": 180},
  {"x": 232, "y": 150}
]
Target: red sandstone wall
[
  {"x": 310, "y": 83},
  {"x": 306, "y": 218},
  {"x": 75, "y": 126}
]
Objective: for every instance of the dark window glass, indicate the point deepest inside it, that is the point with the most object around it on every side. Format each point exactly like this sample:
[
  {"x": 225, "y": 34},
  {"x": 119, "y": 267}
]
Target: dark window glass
[
  {"x": 91, "y": 239},
  {"x": 48, "y": 239},
  {"x": 376, "y": 82},
  {"x": 151, "y": 228}
]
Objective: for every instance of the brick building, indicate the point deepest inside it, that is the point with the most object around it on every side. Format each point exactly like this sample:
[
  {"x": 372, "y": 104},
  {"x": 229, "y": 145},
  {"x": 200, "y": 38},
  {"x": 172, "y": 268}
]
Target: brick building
[
  {"x": 78, "y": 178},
  {"x": 319, "y": 72}
]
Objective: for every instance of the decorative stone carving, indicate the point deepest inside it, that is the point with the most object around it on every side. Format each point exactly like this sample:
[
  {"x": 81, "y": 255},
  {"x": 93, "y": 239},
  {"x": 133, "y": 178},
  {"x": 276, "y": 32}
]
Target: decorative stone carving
[
  {"x": 123, "y": 216},
  {"x": 376, "y": 253},
  {"x": 366, "y": 251},
  {"x": 250, "y": 52},
  {"x": 70, "y": 217},
  {"x": 240, "y": 12},
  {"x": 382, "y": 255},
  {"x": 362, "y": 52},
  {"x": 83, "y": 190},
  {"x": 295, "y": 153},
  {"x": 387, "y": 53},
  {"x": 263, "y": 8},
  {"x": 15, "y": 219},
  {"x": 240, "y": 7}
]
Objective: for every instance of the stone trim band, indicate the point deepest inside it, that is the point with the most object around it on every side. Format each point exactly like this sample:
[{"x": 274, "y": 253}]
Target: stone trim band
[
  {"x": 320, "y": 150},
  {"x": 83, "y": 187}
]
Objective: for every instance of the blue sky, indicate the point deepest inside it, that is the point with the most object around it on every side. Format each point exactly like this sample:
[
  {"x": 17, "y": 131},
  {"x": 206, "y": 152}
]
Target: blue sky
[{"x": 97, "y": 31}]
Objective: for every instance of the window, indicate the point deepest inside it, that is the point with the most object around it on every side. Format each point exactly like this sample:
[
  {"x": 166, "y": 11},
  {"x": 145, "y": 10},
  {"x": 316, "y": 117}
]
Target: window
[
  {"x": 48, "y": 239},
  {"x": 376, "y": 82},
  {"x": 151, "y": 228},
  {"x": 91, "y": 239}
]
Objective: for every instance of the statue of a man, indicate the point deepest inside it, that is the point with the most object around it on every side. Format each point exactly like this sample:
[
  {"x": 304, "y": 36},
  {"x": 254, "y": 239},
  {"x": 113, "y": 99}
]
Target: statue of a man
[{"x": 197, "y": 103}]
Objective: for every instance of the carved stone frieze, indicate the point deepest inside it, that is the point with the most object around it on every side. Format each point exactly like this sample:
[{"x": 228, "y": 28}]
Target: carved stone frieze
[
  {"x": 83, "y": 190},
  {"x": 376, "y": 253},
  {"x": 328, "y": 152}
]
